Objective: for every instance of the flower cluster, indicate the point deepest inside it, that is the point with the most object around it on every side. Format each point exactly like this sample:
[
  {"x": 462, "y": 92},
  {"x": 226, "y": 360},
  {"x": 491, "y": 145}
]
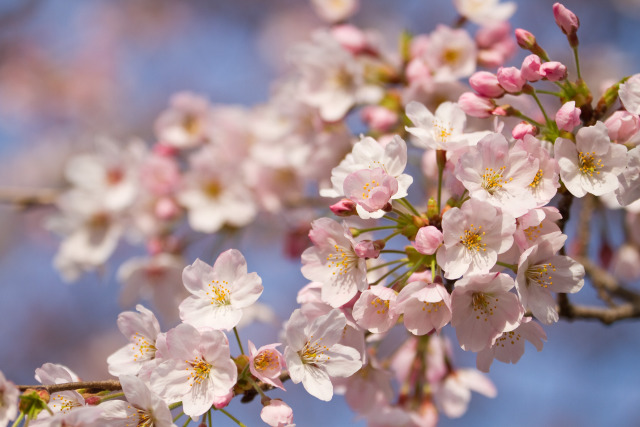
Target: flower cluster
[{"x": 480, "y": 249}]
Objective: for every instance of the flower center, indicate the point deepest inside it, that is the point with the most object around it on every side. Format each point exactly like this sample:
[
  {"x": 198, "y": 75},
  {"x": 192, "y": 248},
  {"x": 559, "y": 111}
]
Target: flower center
[
  {"x": 191, "y": 124},
  {"x": 442, "y": 130},
  {"x": 482, "y": 305},
  {"x": 589, "y": 163},
  {"x": 492, "y": 180},
  {"x": 212, "y": 189},
  {"x": 201, "y": 370},
  {"x": 342, "y": 260},
  {"x": 145, "y": 419},
  {"x": 432, "y": 306},
  {"x": 143, "y": 348},
  {"x": 536, "y": 179},
  {"x": 472, "y": 238},
  {"x": 450, "y": 56},
  {"x": 313, "y": 351},
  {"x": 264, "y": 360},
  {"x": 66, "y": 404},
  {"x": 540, "y": 274},
  {"x": 219, "y": 292},
  {"x": 507, "y": 337},
  {"x": 382, "y": 306}
]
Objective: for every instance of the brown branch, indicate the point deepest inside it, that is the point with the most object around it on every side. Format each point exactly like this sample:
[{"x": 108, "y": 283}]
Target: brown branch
[
  {"x": 606, "y": 315},
  {"x": 82, "y": 385},
  {"x": 27, "y": 198}
]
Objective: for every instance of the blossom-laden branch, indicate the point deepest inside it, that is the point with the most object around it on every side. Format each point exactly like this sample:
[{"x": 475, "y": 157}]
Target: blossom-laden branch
[{"x": 28, "y": 198}]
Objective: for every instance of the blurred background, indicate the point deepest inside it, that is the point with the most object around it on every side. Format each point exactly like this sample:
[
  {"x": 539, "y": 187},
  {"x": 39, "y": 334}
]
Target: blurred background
[{"x": 72, "y": 69}]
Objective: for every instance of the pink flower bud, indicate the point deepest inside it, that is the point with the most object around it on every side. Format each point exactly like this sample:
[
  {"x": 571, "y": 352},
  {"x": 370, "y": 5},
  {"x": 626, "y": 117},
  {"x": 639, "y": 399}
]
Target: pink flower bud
[
  {"x": 428, "y": 240},
  {"x": 370, "y": 188},
  {"x": 220, "y": 402},
  {"x": 522, "y": 129},
  {"x": 417, "y": 71},
  {"x": 566, "y": 20},
  {"x": 351, "y": 38},
  {"x": 155, "y": 246},
  {"x": 553, "y": 71},
  {"x": 525, "y": 39},
  {"x": 510, "y": 78},
  {"x": 486, "y": 84},
  {"x": 276, "y": 413},
  {"x": 166, "y": 209},
  {"x": 568, "y": 116},
  {"x": 379, "y": 118},
  {"x": 369, "y": 248},
  {"x": 164, "y": 150},
  {"x": 531, "y": 68},
  {"x": 344, "y": 207},
  {"x": 476, "y": 106},
  {"x": 622, "y": 125}
]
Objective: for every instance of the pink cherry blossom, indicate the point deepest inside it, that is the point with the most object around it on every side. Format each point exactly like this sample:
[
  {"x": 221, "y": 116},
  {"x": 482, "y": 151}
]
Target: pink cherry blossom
[
  {"x": 545, "y": 183},
  {"x": 630, "y": 94},
  {"x": 195, "y": 368},
  {"x": 335, "y": 11},
  {"x": 540, "y": 272},
  {"x": 622, "y": 126},
  {"x": 333, "y": 262},
  {"x": 485, "y": 12},
  {"x": 454, "y": 394},
  {"x": 629, "y": 190},
  {"x": 143, "y": 407},
  {"x": 483, "y": 308},
  {"x": 522, "y": 129},
  {"x": 141, "y": 329},
  {"x": 266, "y": 364},
  {"x": 474, "y": 235},
  {"x": 509, "y": 347},
  {"x": 566, "y": 20},
  {"x": 425, "y": 307},
  {"x": 591, "y": 164},
  {"x": 553, "y": 71},
  {"x": 276, "y": 413},
  {"x": 443, "y": 130},
  {"x": 451, "y": 53},
  {"x": 371, "y": 189},
  {"x": 9, "y": 394},
  {"x": 494, "y": 173},
  {"x": 313, "y": 354},
  {"x": 219, "y": 293},
  {"x": 375, "y": 309},
  {"x": 187, "y": 123}
]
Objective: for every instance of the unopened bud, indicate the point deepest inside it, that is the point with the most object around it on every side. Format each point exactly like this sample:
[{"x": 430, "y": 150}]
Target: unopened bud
[
  {"x": 524, "y": 128},
  {"x": 476, "y": 106},
  {"x": 568, "y": 23},
  {"x": 553, "y": 71},
  {"x": 428, "y": 240},
  {"x": 528, "y": 41},
  {"x": 344, "y": 207},
  {"x": 92, "y": 400},
  {"x": 486, "y": 84},
  {"x": 531, "y": 68},
  {"x": 510, "y": 78},
  {"x": 369, "y": 248},
  {"x": 568, "y": 116}
]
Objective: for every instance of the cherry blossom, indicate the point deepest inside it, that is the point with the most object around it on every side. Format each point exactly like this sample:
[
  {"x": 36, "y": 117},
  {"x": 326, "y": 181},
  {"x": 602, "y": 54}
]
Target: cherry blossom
[
  {"x": 454, "y": 394},
  {"x": 313, "y": 354},
  {"x": 195, "y": 369},
  {"x": 9, "y": 394},
  {"x": 474, "y": 235},
  {"x": 509, "y": 347},
  {"x": 630, "y": 94},
  {"x": 219, "y": 293},
  {"x": 142, "y": 330},
  {"x": 375, "y": 310},
  {"x": 485, "y": 12},
  {"x": 592, "y": 164},
  {"x": 425, "y": 307},
  {"x": 276, "y": 413},
  {"x": 483, "y": 308},
  {"x": 266, "y": 364},
  {"x": 333, "y": 262},
  {"x": 142, "y": 408}
]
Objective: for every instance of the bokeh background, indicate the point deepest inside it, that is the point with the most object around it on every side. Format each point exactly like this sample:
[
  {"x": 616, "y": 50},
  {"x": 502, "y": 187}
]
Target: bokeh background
[{"x": 74, "y": 69}]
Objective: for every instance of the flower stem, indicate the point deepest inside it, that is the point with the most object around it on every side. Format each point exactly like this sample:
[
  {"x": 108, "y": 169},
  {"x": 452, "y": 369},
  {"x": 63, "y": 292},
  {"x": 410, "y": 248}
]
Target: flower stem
[
  {"x": 544, "y": 113},
  {"x": 232, "y": 417},
  {"x": 548, "y": 92},
  {"x": 433, "y": 269},
  {"x": 175, "y": 405},
  {"x": 111, "y": 396},
  {"x": 187, "y": 422},
  {"x": 389, "y": 272},
  {"x": 17, "y": 421},
  {"x": 575, "y": 55},
  {"x": 409, "y": 206},
  {"x": 375, "y": 267},
  {"x": 390, "y": 236},
  {"x": 235, "y": 331},
  {"x": 209, "y": 418},
  {"x": 178, "y": 416},
  {"x": 258, "y": 389},
  {"x": 440, "y": 173},
  {"x": 528, "y": 119},
  {"x": 513, "y": 267},
  {"x": 392, "y": 251},
  {"x": 382, "y": 227},
  {"x": 413, "y": 269}
]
